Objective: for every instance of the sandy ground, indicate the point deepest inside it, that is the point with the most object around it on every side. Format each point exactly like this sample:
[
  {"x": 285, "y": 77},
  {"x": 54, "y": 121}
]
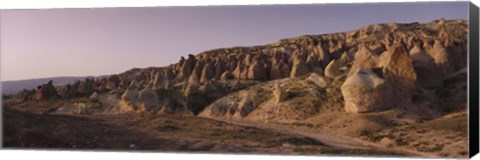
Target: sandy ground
[
  {"x": 150, "y": 133},
  {"x": 34, "y": 125}
]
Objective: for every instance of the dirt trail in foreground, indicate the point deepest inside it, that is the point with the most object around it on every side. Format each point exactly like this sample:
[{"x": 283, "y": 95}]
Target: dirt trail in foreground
[
  {"x": 162, "y": 133},
  {"x": 331, "y": 140}
]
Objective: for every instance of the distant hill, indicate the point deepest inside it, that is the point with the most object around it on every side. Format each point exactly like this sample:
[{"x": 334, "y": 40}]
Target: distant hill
[{"x": 12, "y": 87}]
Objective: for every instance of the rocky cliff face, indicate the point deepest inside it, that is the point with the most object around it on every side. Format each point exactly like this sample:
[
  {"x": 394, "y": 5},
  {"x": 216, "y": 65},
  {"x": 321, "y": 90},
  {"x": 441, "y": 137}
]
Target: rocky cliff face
[
  {"x": 385, "y": 65},
  {"x": 302, "y": 55},
  {"x": 405, "y": 57},
  {"x": 398, "y": 85}
]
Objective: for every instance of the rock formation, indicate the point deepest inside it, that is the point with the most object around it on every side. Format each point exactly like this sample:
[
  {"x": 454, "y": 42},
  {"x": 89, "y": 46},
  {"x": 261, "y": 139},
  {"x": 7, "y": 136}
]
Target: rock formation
[
  {"x": 148, "y": 99},
  {"x": 94, "y": 96},
  {"x": 364, "y": 91},
  {"x": 364, "y": 58},
  {"x": 207, "y": 73},
  {"x": 67, "y": 91},
  {"x": 299, "y": 67},
  {"x": 406, "y": 57},
  {"x": 320, "y": 81},
  {"x": 226, "y": 76},
  {"x": 399, "y": 72},
  {"x": 25, "y": 94},
  {"x": 130, "y": 95},
  {"x": 441, "y": 56},
  {"x": 257, "y": 72},
  {"x": 191, "y": 89},
  {"x": 323, "y": 56},
  {"x": 333, "y": 69},
  {"x": 197, "y": 71},
  {"x": 187, "y": 67},
  {"x": 428, "y": 76},
  {"x": 404, "y": 76},
  {"x": 45, "y": 92},
  {"x": 279, "y": 93}
]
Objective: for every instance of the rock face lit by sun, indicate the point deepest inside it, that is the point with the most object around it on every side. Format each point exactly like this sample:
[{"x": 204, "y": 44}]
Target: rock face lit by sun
[{"x": 395, "y": 88}]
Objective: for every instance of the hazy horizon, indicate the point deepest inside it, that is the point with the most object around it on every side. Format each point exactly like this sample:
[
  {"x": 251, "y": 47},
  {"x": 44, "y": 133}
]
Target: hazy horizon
[{"x": 104, "y": 41}]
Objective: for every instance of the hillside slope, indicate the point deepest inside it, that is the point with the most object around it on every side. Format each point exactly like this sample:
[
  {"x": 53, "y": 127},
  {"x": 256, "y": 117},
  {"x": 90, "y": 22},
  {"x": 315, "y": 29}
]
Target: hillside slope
[{"x": 389, "y": 86}]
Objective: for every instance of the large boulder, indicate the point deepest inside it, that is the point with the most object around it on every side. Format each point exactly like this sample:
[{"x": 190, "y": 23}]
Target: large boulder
[{"x": 365, "y": 91}]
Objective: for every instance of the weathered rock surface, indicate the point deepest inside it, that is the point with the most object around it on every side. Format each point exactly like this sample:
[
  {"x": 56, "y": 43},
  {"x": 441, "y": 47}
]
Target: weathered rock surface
[
  {"x": 257, "y": 72},
  {"x": 428, "y": 76},
  {"x": 191, "y": 89},
  {"x": 441, "y": 56},
  {"x": 207, "y": 73},
  {"x": 364, "y": 91},
  {"x": 397, "y": 73},
  {"x": 279, "y": 93},
  {"x": 94, "y": 96},
  {"x": 364, "y": 58},
  {"x": 45, "y": 92},
  {"x": 67, "y": 91},
  {"x": 148, "y": 99},
  {"x": 320, "y": 81},
  {"x": 24, "y": 95},
  {"x": 299, "y": 67},
  {"x": 428, "y": 53},
  {"x": 333, "y": 69},
  {"x": 400, "y": 73}
]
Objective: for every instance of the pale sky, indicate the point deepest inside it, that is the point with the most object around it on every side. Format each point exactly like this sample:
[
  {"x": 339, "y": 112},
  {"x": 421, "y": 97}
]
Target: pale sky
[{"x": 103, "y": 41}]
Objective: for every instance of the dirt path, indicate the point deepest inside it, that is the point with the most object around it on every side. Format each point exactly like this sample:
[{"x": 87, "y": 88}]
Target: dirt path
[
  {"x": 331, "y": 140},
  {"x": 153, "y": 133},
  {"x": 176, "y": 133}
]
